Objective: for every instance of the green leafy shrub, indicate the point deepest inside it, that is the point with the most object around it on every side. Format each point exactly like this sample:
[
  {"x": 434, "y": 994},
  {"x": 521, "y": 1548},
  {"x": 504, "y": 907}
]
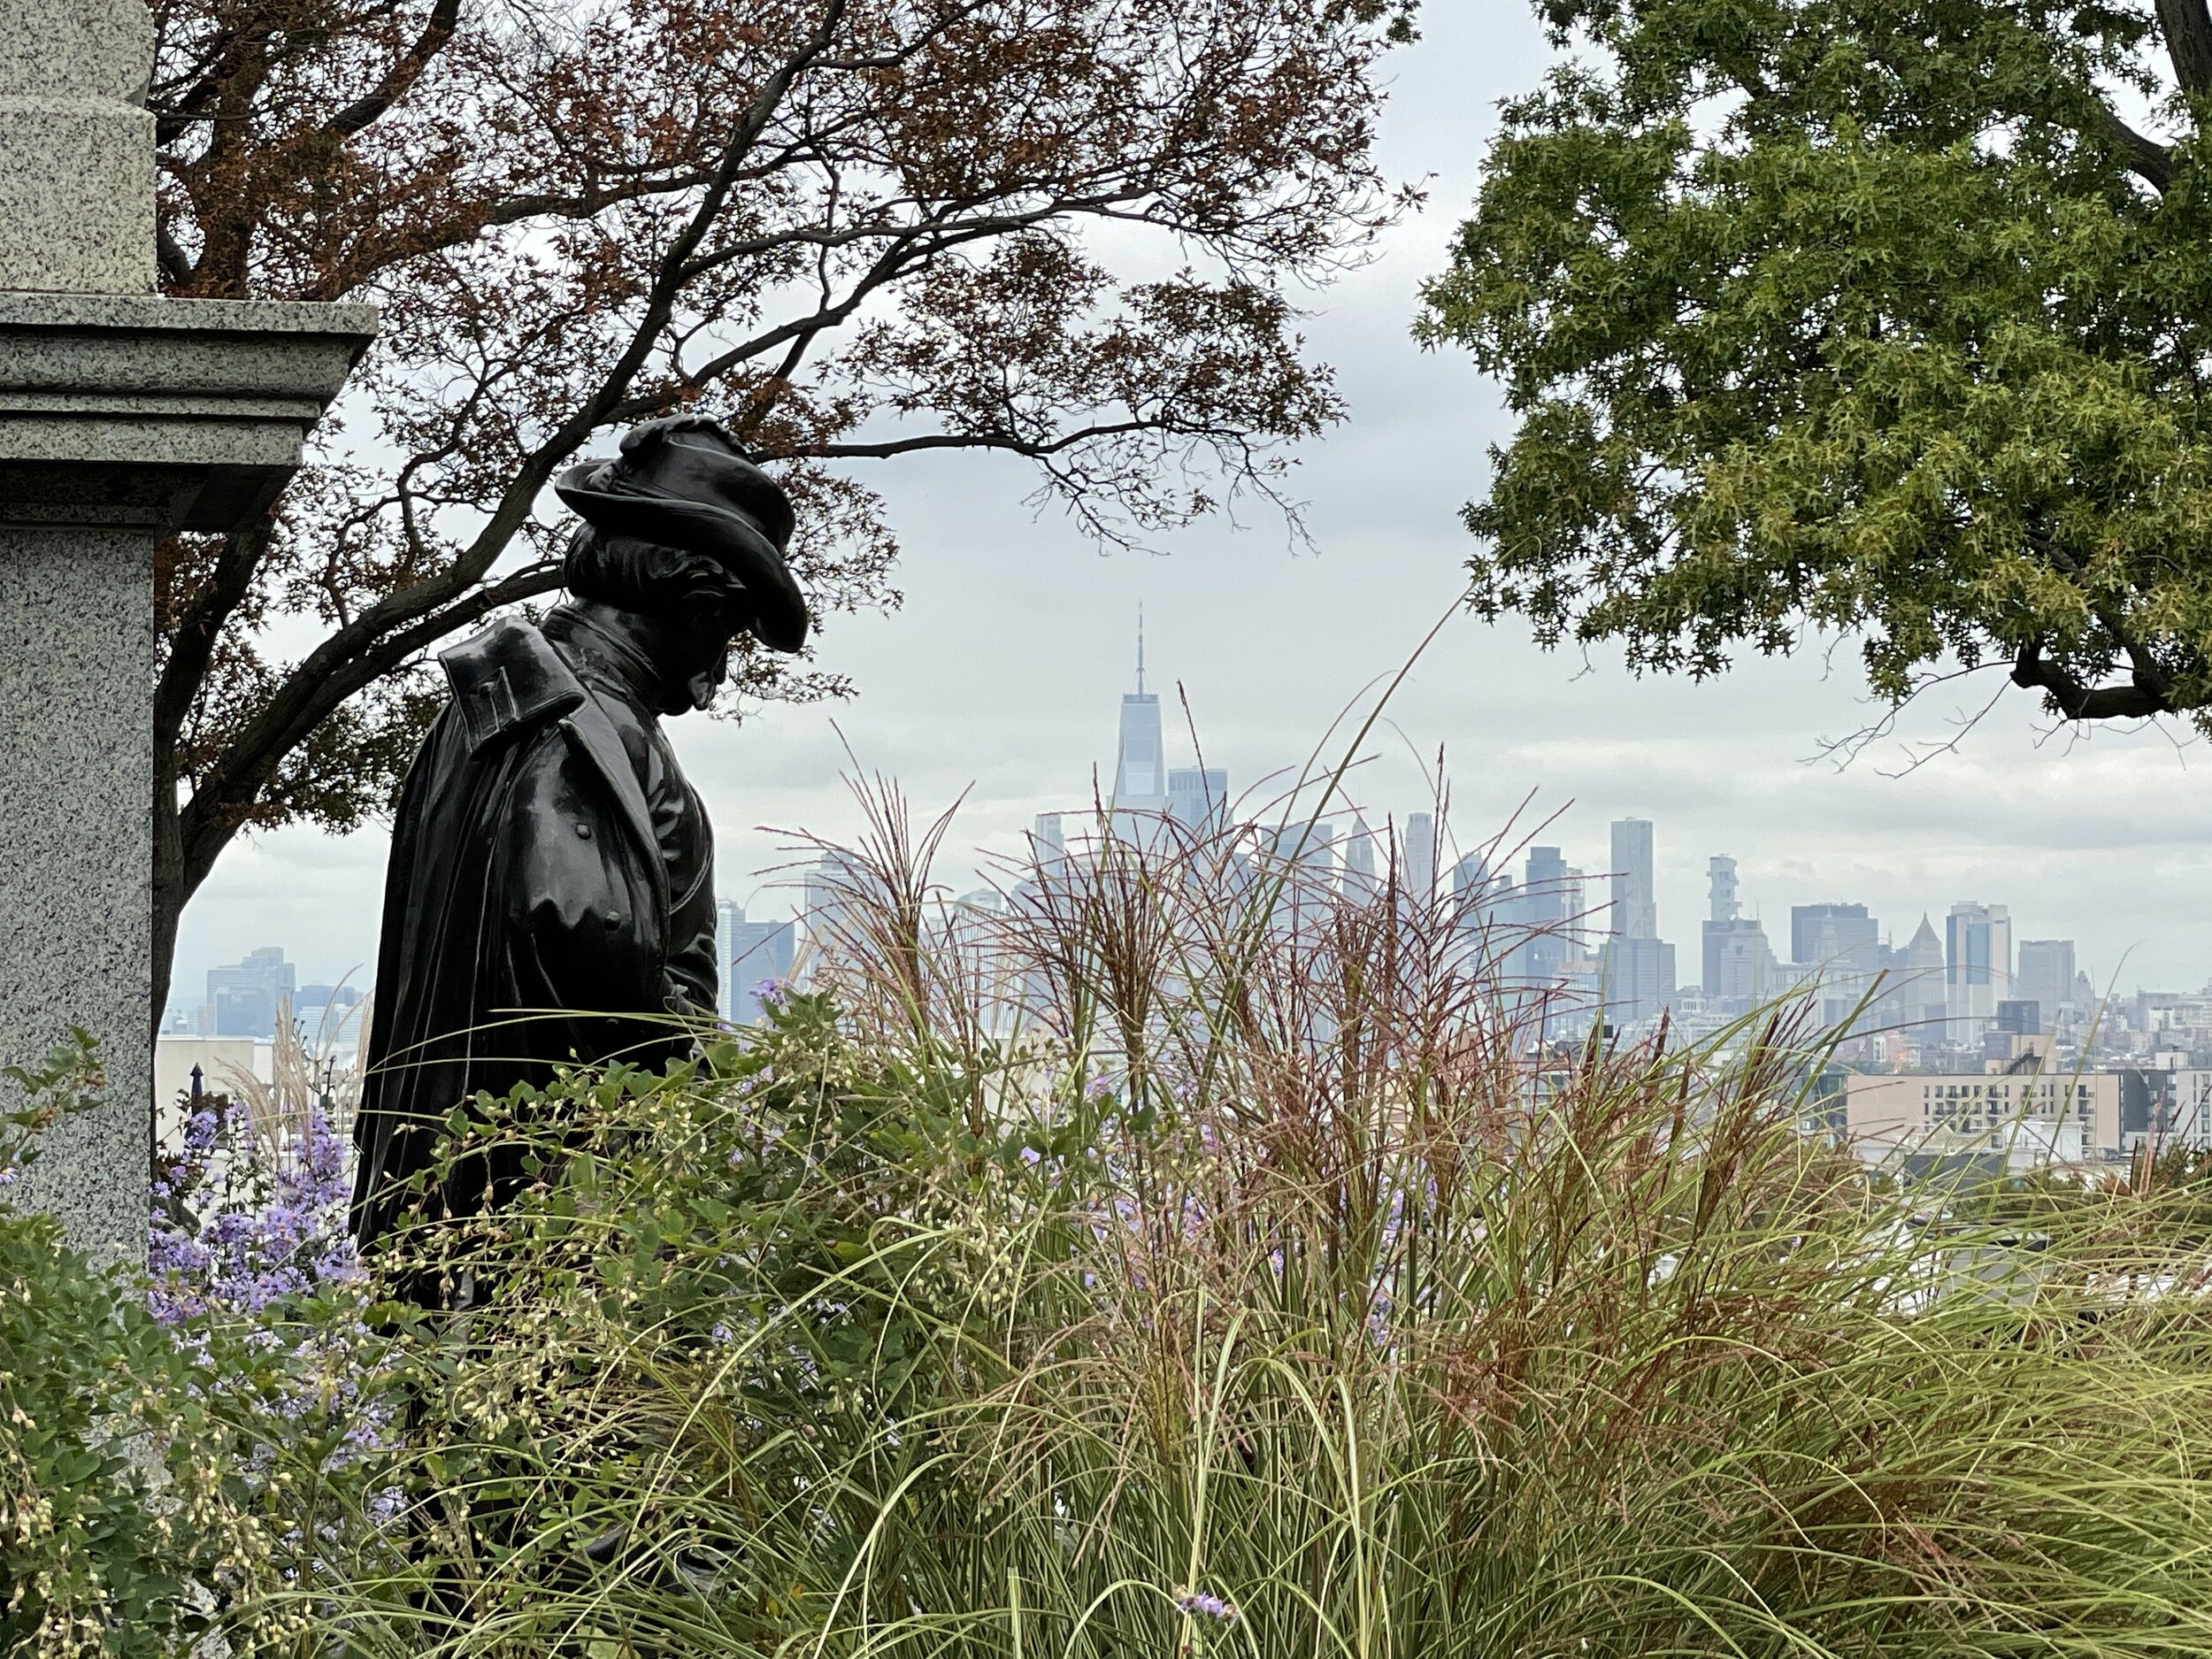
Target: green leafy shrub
[
  {"x": 155, "y": 1461},
  {"x": 97, "y": 1548}
]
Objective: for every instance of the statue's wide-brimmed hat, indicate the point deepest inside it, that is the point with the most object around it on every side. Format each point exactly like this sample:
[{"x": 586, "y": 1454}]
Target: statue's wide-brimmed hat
[{"x": 684, "y": 482}]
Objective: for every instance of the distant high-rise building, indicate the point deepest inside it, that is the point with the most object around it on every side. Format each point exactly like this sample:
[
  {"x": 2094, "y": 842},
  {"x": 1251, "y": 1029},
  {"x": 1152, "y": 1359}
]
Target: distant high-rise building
[
  {"x": 1976, "y": 966},
  {"x": 1539, "y": 909},
  {"x": 1919, "y": 974},
  {"x": 1420, "y": 857},
  {"x": 2046, "y": 973},
  {"x": 2085, "y": 995},
  {"x": 1638, "y": 965},
  {"x": 327, "y": 1012},
  {"x": 1471, "y": 875},
  {"x": 1139, "y": 775},
  {"x": 827, "y": 898},
  {"x": 1481, "y": 898},
  {"x": 1639, "y": 978},
  {"x": 1306, "y": 843},
  {"x": 1635, "y": 907},
  {"x": 1198, "y": 797},
  {"x": 243, "y": 1000},
  {"x": 2019, "y": 1018},
  {"x": 1823, "y": 933},
  {"x": 1720, "y": 888},
  {"x": 1362, "y": 880},
  {"x": 1722, "y": 925},
  {"x": 1047, "y": 842},
  {"x": 1841, "y": 940},
  {"x": 1543, "y": 895},
  {"x": 1740, "y": 965},
  {"x": 753, "y": 956},
  {"x": 1306, "y": 868}
]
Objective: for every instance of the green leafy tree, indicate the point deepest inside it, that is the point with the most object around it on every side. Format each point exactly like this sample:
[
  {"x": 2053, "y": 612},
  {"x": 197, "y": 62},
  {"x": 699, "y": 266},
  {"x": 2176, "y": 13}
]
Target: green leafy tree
[{"x": 1888, "y": 318}]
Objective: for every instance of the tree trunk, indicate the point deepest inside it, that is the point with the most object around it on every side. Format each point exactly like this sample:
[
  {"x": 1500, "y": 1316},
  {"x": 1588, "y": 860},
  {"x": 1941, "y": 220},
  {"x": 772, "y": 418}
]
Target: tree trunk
[
  {"x": 170, "y": 888},
  {"x": 169, "y": 901},
  {"x": 2187, "y": 26}
]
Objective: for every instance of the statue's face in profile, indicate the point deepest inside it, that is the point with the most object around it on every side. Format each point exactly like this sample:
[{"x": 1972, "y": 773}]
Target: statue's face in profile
[{"x": 696, "y": 650}]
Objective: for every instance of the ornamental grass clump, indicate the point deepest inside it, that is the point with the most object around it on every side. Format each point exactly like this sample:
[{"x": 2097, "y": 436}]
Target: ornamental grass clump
[{"x": 1170, "y": 1258}]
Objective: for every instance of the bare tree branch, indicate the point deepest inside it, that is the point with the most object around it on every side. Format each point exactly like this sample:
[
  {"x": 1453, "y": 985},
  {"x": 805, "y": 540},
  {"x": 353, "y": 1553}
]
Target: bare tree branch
[
  {"x": 300, "y": 705},
  {"x": 1032, "y": 449},
  {"x": 356, "y": 116}
]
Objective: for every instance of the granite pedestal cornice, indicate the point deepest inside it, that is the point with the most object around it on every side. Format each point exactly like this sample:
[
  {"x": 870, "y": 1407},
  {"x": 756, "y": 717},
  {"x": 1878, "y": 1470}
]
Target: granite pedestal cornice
[{"x": 130, "y": 411}]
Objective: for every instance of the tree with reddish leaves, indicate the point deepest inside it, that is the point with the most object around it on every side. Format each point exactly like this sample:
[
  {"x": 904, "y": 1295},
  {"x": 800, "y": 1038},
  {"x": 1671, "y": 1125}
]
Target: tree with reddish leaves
[{"x": 851, "y": 229}]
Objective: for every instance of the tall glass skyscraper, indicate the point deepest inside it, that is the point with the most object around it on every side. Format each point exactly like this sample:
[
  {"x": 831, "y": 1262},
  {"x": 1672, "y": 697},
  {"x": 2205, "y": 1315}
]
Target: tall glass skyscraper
[
  {"x": 1541, "y": 907},
  {"x": 1639, "y": 964},
  {"x": 1140, "y": 772},
  {"x": 1976, "y": 966},
  {"x": 1420, "y": 857},
  {"x": 2047, "y": 975},
  {"x": 754, "y": 956},
  {"x": 1635, "y": 908}
]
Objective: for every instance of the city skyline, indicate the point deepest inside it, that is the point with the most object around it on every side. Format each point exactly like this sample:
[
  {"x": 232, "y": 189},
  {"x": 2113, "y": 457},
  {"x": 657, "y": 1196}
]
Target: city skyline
[
  {"x": 1147, "y": 781},
  {"x": 1948, "y": 1051},
  {"x": 1976, "y": 955}
]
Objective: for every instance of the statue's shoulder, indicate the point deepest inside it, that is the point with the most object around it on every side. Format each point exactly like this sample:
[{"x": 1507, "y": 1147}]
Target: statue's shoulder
[{"x": 508, "y": 675}]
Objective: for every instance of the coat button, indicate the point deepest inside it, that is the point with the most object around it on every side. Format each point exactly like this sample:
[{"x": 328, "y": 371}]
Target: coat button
[
  {"x": 614, "y": 918},
  {"x": 583, "y": 832}
]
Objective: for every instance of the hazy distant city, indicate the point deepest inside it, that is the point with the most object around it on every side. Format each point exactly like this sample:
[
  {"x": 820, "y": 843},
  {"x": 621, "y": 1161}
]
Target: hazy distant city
[{"x": 2014, "y": 1047}]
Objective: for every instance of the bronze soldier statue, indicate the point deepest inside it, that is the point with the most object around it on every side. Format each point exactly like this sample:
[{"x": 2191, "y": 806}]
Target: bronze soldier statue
[{"x": 550, "y": 894}]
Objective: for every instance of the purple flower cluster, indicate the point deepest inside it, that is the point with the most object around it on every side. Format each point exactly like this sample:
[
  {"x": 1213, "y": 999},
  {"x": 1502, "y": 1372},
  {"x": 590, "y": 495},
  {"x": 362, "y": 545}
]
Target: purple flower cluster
[
  {"x": 234, "y": 1230},
  {"x": 1201, "y": 1605}
]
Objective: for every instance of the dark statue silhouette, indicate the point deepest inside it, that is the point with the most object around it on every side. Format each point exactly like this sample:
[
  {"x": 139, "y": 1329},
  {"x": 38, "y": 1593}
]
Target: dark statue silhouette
[{"x": 550, "y": 894}]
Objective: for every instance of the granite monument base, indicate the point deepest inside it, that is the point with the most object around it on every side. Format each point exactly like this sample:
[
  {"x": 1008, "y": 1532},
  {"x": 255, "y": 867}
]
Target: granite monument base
[
  {"x": 76, "y": 613},
  {"x": 123, "y": 420}
]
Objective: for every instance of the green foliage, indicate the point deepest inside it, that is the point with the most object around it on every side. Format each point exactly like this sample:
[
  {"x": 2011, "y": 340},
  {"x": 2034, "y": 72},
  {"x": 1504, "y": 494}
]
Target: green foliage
[
  {"x": 68, "y": 1082},
  {"x": 153, "y": 1475},
  {"x": 1238, "y": 1291},
  {"x": 89, "y": 1564},
  {"x": 92, "y": 1556},
  {"x": 1864, "y": 315},
  {"x": 833, "y": 1346},
  {"x": 700, "y": 1363}
]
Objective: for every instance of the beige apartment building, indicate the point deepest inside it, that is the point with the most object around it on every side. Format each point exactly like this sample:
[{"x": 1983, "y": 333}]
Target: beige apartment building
[{"x": 2053, "y": 1118}]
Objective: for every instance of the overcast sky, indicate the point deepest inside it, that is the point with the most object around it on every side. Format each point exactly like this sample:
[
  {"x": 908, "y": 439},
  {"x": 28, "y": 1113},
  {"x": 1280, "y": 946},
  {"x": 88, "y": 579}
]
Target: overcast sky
[{"x": 1003, "y": 674}]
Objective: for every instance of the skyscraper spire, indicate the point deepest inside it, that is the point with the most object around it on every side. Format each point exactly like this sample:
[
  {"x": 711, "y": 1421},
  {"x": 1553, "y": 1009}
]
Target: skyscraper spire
[{"x": 1141, "y": 647}]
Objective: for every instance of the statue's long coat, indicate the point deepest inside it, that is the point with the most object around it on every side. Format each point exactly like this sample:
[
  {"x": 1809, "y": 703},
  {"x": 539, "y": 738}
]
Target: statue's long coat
[{"x": 528, "y": 881}]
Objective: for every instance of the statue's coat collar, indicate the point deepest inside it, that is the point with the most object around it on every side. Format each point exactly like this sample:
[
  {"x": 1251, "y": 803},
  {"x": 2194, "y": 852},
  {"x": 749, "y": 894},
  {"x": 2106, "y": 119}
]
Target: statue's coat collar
[{"x": 508, "y": 677}]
